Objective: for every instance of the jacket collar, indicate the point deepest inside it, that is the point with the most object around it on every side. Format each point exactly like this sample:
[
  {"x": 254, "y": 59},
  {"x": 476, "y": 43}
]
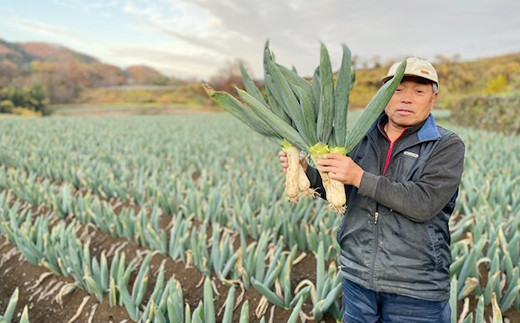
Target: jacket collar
[{"x": 427, "y": 132}]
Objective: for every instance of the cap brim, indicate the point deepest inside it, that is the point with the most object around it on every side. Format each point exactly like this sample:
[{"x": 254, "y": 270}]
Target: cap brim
[{"x": 386, "y": 78}]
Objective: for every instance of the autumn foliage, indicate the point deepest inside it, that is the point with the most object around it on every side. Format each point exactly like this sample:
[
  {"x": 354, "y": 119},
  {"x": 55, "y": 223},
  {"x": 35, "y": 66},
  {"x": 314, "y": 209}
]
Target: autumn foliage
[{"x": 66, "y": 76}]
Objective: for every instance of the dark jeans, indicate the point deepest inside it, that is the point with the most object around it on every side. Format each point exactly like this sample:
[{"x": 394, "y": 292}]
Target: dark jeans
[{"x": 361, "y": 305}]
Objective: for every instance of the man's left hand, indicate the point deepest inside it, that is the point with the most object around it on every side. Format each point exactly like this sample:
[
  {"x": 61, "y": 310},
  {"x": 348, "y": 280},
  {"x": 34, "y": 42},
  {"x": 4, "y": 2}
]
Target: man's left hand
[{"x": 341, "y": 168}]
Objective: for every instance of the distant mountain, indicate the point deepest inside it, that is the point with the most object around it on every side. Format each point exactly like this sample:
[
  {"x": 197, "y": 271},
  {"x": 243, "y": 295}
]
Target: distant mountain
[
  {"x": 138, "y": 73},
  {"x": 31, "y": 51},
  {"x": 64, "y": 72}
]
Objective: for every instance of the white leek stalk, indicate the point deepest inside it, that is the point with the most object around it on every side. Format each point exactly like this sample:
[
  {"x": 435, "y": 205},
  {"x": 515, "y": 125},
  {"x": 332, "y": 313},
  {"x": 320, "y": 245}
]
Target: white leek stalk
[{"x": 334, "y": 189}]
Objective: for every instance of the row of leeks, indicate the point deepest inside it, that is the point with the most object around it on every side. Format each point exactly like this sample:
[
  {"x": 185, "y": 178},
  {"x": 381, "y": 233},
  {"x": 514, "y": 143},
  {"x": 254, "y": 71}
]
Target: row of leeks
[
  {"x": 60, "y": 251},
  {"x": 489, "y": 191},
  {"x": 124, "y": 171},
  {"x": 128, "y": 225},
  {"x": 191, "y": 248},
  {"x": 324, "y": 292},
  {"x": 10, "y": 310},
  {"x": 481, "y": 221},
  {"x": 220, "y": 259},
  {"x": 485, "y": 236},
  {"x": 143, "y": 226},
  {"x": 304, "y": 116}
]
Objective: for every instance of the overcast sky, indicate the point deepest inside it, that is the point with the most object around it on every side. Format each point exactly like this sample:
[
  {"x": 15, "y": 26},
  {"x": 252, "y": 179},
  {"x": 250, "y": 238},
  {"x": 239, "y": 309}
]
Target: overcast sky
[{"x": 194, "y": 38}]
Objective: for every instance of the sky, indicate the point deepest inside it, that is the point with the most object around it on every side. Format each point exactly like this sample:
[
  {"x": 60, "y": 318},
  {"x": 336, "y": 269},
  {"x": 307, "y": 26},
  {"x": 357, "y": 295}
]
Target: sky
[{"x": 196, "y": 38}]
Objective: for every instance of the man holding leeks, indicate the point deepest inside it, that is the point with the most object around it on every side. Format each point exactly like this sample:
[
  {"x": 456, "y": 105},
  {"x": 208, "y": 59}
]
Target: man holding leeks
[{"x": 401, "y": 183}]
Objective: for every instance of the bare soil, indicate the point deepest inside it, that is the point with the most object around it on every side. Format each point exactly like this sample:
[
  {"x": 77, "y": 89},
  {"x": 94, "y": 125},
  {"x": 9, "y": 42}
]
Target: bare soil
[{"x": 39, "y": 296}]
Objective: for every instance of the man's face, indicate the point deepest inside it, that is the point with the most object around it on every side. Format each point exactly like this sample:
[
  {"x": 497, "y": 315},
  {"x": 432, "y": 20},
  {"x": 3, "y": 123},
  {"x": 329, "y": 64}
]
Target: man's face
[{"x": 411, "y": 103}]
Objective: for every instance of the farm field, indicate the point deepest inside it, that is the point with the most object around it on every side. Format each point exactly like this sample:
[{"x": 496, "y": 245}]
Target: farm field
[
  {"x": 125, "y": 110},
  {"x": 182, "y": 218}
]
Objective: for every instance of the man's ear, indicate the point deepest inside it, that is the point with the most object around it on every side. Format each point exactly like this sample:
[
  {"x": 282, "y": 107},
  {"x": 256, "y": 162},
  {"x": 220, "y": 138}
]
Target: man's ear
[{"x": 434, "y": 98}]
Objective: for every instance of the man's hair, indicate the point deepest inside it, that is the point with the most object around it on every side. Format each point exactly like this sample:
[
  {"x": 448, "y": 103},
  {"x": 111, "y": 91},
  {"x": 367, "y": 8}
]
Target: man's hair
[
  {"x": 422, "y": 80},
  {"x": 435, "y": 86}
]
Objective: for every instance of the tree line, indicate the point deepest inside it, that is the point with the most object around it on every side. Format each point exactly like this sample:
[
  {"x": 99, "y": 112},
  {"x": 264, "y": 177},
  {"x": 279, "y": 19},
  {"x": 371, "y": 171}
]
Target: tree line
[
  {"x": 17, "y": 99},
  {"x": 34, "y": 84}
]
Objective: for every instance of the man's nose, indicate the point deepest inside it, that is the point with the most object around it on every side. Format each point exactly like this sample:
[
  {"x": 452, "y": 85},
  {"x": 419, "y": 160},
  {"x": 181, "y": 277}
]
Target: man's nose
[{"x": 406, "y": 97}]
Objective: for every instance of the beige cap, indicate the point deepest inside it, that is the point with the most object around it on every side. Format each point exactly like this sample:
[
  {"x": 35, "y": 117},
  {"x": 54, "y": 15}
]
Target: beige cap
[{"x": 415, "y": 67}]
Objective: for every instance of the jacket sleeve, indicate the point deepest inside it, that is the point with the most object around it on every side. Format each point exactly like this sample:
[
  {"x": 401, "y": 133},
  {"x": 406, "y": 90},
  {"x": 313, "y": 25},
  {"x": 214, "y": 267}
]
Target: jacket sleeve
[
  {"x": 316, "y": 182},
  {"x": 421, "y": 200}
]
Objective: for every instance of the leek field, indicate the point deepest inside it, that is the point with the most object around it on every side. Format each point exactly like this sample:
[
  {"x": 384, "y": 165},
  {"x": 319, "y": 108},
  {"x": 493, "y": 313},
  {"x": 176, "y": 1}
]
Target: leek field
[{"x": 183, "y": 218}]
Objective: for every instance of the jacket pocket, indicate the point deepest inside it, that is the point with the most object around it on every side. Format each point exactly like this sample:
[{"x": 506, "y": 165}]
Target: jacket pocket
[
  {"x": 408, "y": 167},
  {"x": 434, "y": 245}
]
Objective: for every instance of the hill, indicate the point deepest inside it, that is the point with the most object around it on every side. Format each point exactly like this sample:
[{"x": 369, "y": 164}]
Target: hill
[
  {"x": 30, "y": 51},
  {"x": 458, "y": 79},
  {"x": 66, "y": 73},
  {"x": 71, "y": 77}
]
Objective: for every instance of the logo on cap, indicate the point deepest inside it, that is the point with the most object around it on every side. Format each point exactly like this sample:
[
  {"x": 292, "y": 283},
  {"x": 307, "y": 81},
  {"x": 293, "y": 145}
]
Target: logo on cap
[{"x": 425, "y": 72}]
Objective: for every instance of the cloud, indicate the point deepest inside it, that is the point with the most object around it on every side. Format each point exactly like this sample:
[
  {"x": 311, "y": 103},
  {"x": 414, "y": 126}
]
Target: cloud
[
  {"x": 217, "y": 31},
  {"x": 42, "y": 28},
  {"x": 180, "y": 65},
  {"x": 87, "y": 6},
  {"x": 239, "y": 29},
  {"x": 180, "y": 15},
  {"x": 295, "y": 27}
]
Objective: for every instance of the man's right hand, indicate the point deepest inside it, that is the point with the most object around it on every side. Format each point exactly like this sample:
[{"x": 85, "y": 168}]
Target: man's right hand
[{"x": 285, "y": 164}]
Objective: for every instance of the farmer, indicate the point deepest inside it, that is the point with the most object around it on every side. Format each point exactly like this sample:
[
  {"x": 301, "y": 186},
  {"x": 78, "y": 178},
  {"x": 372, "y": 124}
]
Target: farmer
[{"x": 401, "y": 185}]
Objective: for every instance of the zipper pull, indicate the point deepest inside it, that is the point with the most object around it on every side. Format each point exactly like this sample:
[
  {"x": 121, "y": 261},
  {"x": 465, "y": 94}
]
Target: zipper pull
[{"x": 376, "y": 217}]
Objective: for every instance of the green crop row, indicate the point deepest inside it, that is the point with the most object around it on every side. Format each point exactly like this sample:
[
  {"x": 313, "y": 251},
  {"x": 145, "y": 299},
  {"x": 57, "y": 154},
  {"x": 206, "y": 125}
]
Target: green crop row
[
  {"x": 59, "y": 250},
  {"x": 229, "y": 180}
]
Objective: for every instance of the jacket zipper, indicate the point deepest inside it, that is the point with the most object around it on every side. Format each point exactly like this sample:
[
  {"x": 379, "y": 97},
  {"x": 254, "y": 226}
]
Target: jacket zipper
[
  {"x": 376, "y": 246},
  {"x": 376, "y": 213},
  {"x": 390, "y": 149}
]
